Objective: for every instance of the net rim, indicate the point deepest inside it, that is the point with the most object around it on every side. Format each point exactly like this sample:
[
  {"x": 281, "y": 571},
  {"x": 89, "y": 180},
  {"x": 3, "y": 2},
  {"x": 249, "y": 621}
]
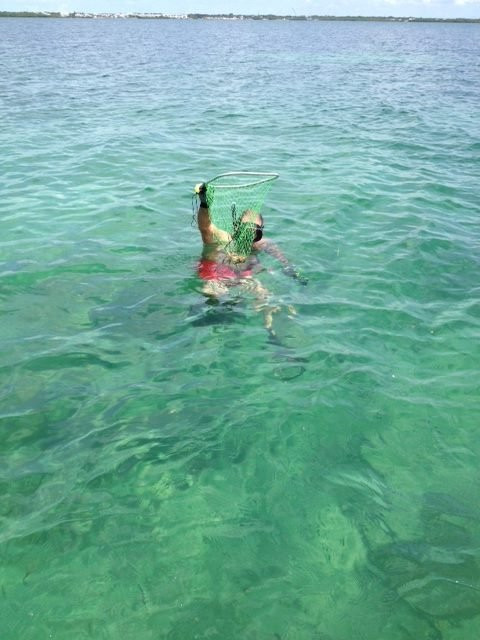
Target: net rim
[{"x": 263, "y": 177}]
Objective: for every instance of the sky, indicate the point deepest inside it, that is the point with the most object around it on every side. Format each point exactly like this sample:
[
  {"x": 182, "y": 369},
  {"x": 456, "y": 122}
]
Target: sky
[{"x": 417, "y": 8}]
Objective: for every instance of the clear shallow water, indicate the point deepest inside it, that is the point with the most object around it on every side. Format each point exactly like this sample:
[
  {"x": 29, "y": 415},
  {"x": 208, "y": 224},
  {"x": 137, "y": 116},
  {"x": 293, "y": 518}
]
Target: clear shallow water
[{"x": 165, "y": 471}]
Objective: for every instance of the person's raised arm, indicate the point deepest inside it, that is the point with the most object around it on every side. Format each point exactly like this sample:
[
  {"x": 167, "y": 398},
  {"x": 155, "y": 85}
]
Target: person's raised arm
[
  {"x": 209, "y": 232},
  {"x": 205, "y": 225}
]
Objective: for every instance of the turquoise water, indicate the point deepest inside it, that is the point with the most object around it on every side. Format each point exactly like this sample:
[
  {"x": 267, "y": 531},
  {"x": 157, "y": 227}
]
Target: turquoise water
[{"x": 167, "y": 471}]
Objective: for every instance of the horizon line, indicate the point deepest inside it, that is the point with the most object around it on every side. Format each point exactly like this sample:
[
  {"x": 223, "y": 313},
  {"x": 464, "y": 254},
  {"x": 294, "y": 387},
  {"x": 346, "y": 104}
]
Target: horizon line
[{"x": 226, "y": 16}]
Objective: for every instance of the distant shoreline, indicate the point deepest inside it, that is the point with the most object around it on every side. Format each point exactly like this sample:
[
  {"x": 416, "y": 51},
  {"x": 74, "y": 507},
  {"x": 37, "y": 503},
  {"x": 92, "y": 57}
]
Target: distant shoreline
[{"x": 225, "y": 16}]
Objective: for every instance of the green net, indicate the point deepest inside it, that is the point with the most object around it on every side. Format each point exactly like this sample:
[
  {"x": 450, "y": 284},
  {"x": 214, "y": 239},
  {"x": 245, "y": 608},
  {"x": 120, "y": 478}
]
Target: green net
[{"x": 235, "y": 201}]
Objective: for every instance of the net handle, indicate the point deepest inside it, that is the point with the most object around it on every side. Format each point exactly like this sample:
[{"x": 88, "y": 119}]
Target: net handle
[{"x": 264, "y": 177}]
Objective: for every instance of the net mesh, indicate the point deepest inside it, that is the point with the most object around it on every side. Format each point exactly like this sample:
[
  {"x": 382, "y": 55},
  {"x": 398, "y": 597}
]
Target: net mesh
[{"x": 234, "y": 201}]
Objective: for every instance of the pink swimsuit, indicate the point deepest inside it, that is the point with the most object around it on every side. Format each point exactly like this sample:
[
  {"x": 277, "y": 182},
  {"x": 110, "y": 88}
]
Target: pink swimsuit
[{"x": 211, "y": 270}]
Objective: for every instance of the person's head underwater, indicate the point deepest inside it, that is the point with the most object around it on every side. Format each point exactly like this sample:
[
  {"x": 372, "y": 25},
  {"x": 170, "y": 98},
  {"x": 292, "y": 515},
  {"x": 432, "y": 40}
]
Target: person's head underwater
[{"x": 251, "y": 223}]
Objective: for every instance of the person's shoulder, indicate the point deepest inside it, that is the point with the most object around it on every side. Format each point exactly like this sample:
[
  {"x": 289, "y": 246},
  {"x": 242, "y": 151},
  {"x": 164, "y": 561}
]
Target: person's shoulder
[
  {"x": 264, "y": 245},
  {"x": 220, "y": 236}
]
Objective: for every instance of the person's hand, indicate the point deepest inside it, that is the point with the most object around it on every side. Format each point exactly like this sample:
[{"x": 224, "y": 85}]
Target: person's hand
[
  {"x": 201, "y": 191},
  {"x": 293, "y": 273}
]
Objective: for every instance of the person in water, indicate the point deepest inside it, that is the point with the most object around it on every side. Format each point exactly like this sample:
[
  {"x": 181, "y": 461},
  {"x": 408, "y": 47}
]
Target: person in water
[{"x": 220, "y": 269}]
